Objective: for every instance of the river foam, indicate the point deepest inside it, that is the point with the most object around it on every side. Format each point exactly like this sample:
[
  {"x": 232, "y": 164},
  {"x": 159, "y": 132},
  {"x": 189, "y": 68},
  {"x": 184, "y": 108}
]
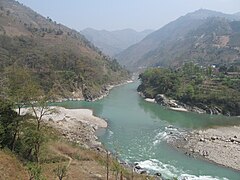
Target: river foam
[
  {"x": 169, "y": 171},
  {"x": 168, "y": 133},
  {"x": 160, "y": 137},
  {"x": 192, "y": 177}
]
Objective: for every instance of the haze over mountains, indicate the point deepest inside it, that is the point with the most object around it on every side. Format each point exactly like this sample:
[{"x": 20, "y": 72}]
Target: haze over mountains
[
  {"x": 203, "y": 36},
  {"x": 60, "y": 59},
  {"x": 113, "y": 42}
]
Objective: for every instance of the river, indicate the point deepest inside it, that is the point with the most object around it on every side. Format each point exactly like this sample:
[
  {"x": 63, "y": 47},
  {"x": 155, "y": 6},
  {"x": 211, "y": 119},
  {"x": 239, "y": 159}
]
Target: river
[{"x": 138, "y": 130}]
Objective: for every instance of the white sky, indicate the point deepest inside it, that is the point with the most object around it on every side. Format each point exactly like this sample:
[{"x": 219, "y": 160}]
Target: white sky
[{"x": 121, "y": 14}]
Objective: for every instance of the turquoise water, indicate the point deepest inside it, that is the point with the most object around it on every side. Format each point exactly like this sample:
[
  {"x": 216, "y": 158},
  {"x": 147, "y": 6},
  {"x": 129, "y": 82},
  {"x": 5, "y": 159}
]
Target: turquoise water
[{"x": 138, "y": 130}]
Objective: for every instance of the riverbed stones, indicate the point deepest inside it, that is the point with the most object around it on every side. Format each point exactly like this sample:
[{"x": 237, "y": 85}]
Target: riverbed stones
[
  {"x": 163, "y": 100},
  {"x": 213, "y": 138},
  {"x": 219, "y": 145},
  {"x": 158, "y": 174},
  {"x": 199, "y": 107}
]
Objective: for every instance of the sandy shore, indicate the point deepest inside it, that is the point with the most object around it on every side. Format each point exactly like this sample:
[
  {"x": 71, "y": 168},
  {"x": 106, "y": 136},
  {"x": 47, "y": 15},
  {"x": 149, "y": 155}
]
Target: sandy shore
[
  {"x": 220, "y": 145},
  {"x": 77, "y": 125},
  {"x": 57, "y": 114}
]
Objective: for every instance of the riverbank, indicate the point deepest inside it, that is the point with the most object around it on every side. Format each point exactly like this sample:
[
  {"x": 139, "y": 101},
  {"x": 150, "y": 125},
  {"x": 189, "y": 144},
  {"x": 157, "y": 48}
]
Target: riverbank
[
  {"x": 171, "y": 104},
  {"x": 103, "y": 93},
  {"x": 76, "y": 125},
  {"x": 200, "y": 92},
  {"x": 220, "y": 145},
  {"x": 72, "y": 142},
  {"x": 175, "y": 105},
  {"x": 108, "y": 89}
]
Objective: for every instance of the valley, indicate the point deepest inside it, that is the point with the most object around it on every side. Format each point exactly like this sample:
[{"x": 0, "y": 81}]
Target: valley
[
  {"x": 204, "y": 37},
  {"x": 81, "y": 103}
]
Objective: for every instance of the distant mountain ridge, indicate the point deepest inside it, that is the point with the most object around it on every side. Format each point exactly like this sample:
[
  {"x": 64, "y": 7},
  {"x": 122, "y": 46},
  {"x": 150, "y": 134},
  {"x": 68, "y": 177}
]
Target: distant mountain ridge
[
  {"x": 205, "y": 13},
  {"x": 237, "y": 14},
  {"x": 202, "y": 36},
  {"x": 113, "y": 42}
]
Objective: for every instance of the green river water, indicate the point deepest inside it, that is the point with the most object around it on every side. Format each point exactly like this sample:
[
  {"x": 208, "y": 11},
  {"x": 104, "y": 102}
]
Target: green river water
[{"x": 138, "y": 131}]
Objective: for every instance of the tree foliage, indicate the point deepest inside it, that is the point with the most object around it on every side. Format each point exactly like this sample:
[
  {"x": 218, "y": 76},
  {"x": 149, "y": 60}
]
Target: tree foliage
[
  {"x": 193, "y": 84},
  {"x": 8, "y": 124},
  {"x": 60, "y": 172}
]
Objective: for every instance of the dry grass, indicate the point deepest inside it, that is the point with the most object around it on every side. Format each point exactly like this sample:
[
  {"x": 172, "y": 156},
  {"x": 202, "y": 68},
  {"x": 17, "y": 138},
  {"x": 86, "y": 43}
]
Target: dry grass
[
  {"x": 11, "y": 168},
  {"x": 82, "y": 164}
]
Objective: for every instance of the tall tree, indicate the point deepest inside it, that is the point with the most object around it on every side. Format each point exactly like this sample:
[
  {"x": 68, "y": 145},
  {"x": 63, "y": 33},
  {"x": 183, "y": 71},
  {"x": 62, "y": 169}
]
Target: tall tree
[
  {"x": 16, "y": 83},
  {"x": 20, "y": 88},
  {"x": 8, "y": 124}
]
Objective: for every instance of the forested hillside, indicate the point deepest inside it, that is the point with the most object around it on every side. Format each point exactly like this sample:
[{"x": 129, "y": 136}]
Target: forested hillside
[
  {"x": 60, "y": 59},
  {"x": 205, "y": 37},
  {"x": 213, "y": 89}
]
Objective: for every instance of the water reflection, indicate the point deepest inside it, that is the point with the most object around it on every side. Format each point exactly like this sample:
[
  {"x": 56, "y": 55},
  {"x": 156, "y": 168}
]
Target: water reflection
[{"x": 186, "y": 119}]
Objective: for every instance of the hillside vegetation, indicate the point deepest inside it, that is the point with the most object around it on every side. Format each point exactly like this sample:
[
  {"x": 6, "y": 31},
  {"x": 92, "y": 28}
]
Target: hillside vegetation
[
  {"x": 32, "y": 151},
  {"x": 59, "y": 58},
  {"x": 205, "y": 37},
  {"x": 207, "y": 88}
]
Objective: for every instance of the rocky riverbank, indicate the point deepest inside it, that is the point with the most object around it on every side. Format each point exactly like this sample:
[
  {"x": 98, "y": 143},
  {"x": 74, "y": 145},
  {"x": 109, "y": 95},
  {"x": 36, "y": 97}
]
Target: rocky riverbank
[
  {"x": 180, "y": 106},
  {"x": 76, "y": 125},
  {"x": 78, "y": 96},
  {"x": 107, "y": 89},
  {"x": 220, "y": 145}
]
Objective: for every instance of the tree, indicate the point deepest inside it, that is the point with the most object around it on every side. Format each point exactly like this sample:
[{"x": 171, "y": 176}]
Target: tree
[
  {"x": 116, "y": 166},
  {"x": 60, "y": 172},
  {"x": 35, "y": 172},
  {"x": 17, "y": 81},
  {"x": 31, "y": 142},
  {"x": 40, "y": 108},
  {"x": 38, "y": 103},
  {"x": 223, "y": 69},
  {"x": 209, "y": 71},
  {"x": 189, "y": 93},
  {"x": 8, "y": 124},
  {"x": 107, "y": 163},
  {"x": 22, "y": 90}
]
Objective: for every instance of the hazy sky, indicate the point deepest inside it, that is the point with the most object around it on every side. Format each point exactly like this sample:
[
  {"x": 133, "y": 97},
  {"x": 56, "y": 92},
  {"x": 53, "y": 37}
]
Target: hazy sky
[{"x": 120, "y": 14}]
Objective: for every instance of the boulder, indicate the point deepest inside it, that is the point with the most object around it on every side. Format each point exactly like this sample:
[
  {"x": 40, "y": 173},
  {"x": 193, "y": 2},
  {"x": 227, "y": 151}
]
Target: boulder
[
  {"x": 213, "y": 138},
  {"x": 137, "y": 167},
  {"x": 158, "y": 174},
  {"x": 160, "y": 98},
  {"x": 205, "y": 153},
  {"x": 135, "y": 164},
  {"x": 143, "y": 172},
  {"x": 164, "y": 101}
]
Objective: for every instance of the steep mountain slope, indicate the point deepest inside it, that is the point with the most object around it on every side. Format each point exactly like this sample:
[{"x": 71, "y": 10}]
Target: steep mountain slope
[
  {"x": 202, "y": 36},
  {"x": 113, "y": 42},
  {"x": 61, "y": 59}
]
